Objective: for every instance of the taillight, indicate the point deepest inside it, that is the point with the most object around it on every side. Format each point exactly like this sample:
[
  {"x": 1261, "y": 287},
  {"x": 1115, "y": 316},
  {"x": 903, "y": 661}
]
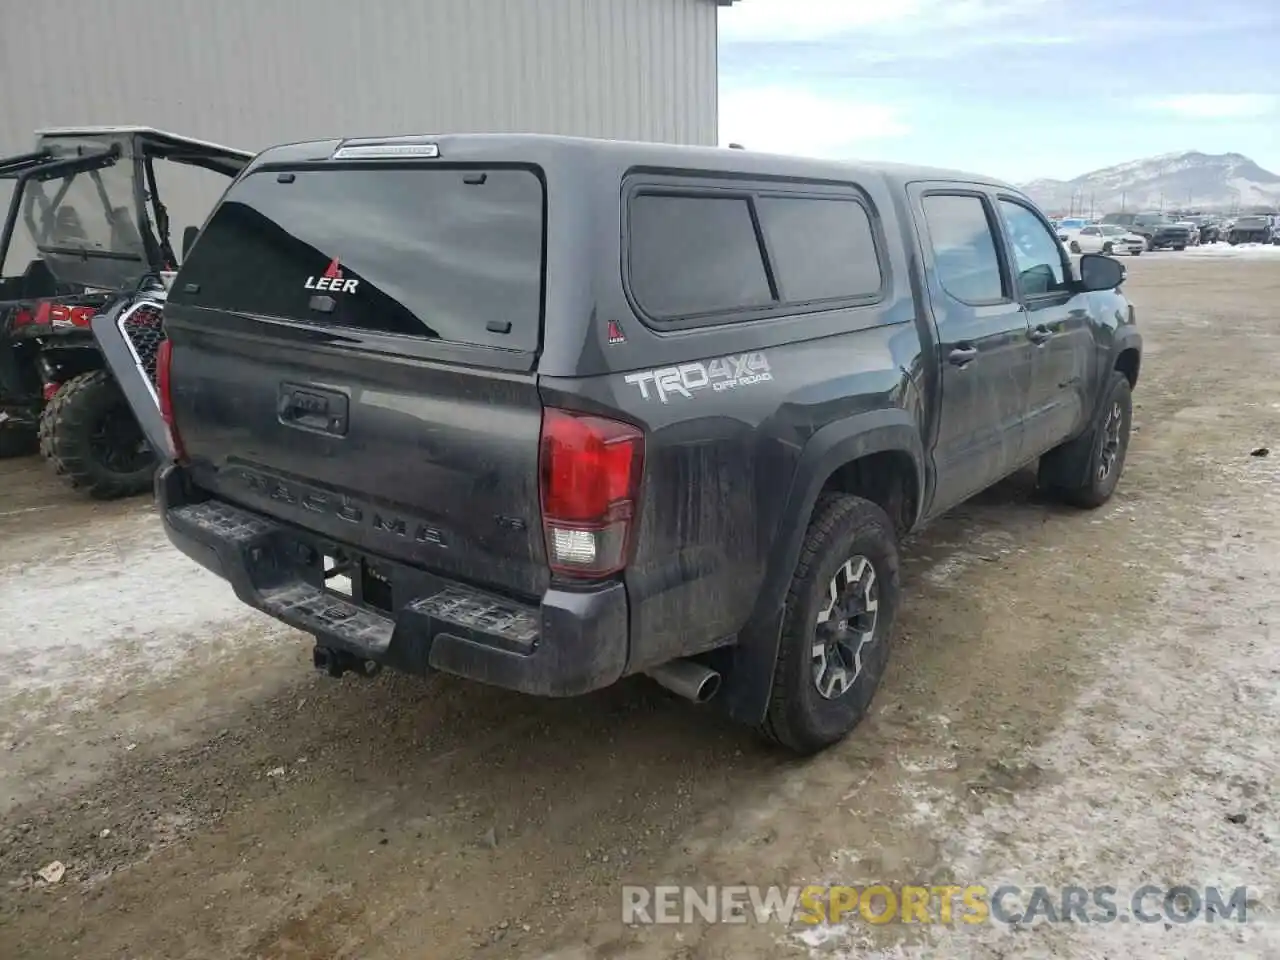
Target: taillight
[
  {"x": 23, "y": 318},
  {"x": 164, "y": 364},
  {"x": 590, "y": 479}
]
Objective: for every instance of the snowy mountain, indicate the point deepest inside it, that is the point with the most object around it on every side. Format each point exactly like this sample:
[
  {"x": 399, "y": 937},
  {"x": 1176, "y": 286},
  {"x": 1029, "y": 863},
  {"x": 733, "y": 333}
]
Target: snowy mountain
[{"x": 1190, "y": 180}]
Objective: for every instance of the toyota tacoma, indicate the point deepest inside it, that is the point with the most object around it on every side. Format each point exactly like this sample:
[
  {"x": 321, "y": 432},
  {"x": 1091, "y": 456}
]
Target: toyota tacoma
[{"x": 546, "y": 412}]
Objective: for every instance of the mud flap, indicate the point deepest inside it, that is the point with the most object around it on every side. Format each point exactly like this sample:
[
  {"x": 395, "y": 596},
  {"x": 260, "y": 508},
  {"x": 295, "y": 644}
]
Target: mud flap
[
  {"x": 131, "y": 360},
  {"x": 748, "y": 672}
]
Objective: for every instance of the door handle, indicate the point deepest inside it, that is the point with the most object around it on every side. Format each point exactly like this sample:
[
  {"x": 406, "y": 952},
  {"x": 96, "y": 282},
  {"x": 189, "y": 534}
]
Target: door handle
[
  {"x": 1040, "y": 334},
  {"x": 962, "y": 356}
]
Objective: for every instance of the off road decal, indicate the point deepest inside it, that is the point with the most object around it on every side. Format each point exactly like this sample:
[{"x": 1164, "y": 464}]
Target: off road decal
[
  {"x": 686, "y": 380},
  {"x": 332, "y": 280}
]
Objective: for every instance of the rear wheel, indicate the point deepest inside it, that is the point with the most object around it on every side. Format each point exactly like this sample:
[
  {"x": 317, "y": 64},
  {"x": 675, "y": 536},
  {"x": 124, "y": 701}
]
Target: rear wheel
[
  {"x": 836, "y": 627},
  {"x": 17, "y": 439},
  {"x": 92, "y": 438},
  {"x": 1075, "y": 247}
]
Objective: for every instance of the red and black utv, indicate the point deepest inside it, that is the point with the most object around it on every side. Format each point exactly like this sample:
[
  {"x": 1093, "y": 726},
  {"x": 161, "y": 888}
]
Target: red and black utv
[{"x": 87, "y": 235}]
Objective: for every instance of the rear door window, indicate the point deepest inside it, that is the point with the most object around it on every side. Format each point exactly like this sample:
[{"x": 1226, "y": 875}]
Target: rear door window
[
  {"x": 454, "y": 254},
  {"x": 964, "y": 248}
]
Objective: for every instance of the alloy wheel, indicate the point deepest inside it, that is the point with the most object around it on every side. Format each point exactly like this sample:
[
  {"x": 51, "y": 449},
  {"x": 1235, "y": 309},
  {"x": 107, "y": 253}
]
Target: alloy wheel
[{"x": 845, "y": 626}]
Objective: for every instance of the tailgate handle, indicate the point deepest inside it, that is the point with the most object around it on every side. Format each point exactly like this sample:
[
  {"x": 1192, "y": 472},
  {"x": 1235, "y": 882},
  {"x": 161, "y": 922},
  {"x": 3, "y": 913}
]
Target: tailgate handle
[{"x": 311, "y": 408}]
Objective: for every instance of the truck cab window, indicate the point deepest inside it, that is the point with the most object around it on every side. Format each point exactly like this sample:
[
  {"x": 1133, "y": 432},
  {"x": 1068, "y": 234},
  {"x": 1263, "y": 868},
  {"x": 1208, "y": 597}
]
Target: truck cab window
[
  {"x": 964, "y": 250},
  {"x": 1037, "y": 254}
]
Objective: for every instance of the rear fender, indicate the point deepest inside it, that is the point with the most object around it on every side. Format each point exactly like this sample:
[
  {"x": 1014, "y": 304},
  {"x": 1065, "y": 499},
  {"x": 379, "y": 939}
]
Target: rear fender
[{"x": 747, "y": 687}]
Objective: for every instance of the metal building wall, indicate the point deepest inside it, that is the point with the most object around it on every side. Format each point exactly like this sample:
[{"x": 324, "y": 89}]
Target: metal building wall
[{"x": 250, "y": 73}]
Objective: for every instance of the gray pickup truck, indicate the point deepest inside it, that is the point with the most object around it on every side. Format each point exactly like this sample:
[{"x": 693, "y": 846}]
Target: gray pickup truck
[{"x": 545, "y": 413}]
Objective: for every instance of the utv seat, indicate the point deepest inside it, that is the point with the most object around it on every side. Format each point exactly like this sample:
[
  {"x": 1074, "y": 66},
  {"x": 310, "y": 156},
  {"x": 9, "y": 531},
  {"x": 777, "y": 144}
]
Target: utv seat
[
  {"x": 67, "y": 227},
  {"x": 124, "y": 234}
]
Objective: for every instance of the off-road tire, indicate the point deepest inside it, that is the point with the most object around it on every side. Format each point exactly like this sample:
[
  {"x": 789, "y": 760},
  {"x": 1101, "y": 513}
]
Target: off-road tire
[
  {"x": 1084, "y": 456},
  {"x": 799, "y": 717},
  {"x": 17, "y": 440},
  {"x": 67, "y": 438}
]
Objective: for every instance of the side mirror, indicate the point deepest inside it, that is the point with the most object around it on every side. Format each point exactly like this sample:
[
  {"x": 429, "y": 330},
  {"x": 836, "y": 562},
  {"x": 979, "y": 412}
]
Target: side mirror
[
  {"x": 1099, "y": 272},
  {"x": 188, "y": 240}
]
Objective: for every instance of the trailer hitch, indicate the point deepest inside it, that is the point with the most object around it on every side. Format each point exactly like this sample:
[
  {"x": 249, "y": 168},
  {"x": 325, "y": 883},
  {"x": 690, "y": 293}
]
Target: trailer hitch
[{"x": 337, "y": 662}]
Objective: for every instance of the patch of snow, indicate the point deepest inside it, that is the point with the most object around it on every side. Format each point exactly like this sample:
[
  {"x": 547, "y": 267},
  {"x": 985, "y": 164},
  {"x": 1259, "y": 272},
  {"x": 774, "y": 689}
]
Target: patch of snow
[
  {"x": 1191, "y": 713},
  {"x": 1241, "y": 251},
  {"x": 117, "y": 601}
]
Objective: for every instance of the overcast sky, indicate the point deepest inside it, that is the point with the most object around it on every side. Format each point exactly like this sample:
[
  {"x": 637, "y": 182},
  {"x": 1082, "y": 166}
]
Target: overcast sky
[{"x": 1013, "y": 88}]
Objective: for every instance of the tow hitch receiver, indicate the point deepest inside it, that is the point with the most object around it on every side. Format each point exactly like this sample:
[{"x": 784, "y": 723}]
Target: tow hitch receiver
[{"x": 337, "y": 662}]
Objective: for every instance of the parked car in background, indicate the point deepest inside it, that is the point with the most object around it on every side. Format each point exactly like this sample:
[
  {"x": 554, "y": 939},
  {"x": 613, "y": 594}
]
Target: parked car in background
[
  {"x": 1068, "y": 227},
  {"x": 1108, "y": 238},
  {"x": 1253, "y": 229},
  {"x": 1193, "y": 231},
  {"x": 1210, "y": 230},
  {"x": 1157, "y": 228}
]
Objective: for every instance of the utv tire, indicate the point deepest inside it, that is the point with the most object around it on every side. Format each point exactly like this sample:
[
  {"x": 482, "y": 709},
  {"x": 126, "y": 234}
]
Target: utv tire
[
  {"x": 90, "y": 436},
  {"x": 1084, "y": 472},
  {"x": 836, "y": 625},
  {"x": 17, "y": 440}
]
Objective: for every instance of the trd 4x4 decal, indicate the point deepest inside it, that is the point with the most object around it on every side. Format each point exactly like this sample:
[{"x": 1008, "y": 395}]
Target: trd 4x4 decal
[{"x": 723, "y": 373}]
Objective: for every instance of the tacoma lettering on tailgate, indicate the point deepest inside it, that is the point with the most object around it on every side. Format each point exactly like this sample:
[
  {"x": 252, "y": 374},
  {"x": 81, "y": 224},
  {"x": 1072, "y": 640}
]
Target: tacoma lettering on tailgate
[{"x": 343, "y": 508}]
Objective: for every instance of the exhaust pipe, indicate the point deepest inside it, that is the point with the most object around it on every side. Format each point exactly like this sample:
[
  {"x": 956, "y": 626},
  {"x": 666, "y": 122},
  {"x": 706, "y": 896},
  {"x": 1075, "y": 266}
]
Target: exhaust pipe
[{"x": 688, "y": 679}]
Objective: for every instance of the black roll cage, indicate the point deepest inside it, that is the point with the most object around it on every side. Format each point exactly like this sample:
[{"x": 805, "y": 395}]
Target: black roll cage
[{"x": 144, "y": 146}]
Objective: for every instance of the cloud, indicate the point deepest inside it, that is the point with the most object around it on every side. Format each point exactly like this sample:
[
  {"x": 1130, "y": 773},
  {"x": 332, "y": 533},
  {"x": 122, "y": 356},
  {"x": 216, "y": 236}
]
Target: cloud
[
  {"x": 791, "y": 21},
  {"x": 1219, "y": 106},
  {"x": 874, "y": 34},
  {"x": 782, "y": 119}
]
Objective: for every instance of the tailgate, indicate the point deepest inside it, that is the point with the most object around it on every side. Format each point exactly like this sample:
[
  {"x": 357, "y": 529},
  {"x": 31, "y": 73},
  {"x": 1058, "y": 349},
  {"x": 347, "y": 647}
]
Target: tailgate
[{"x": 353, "y": 350}]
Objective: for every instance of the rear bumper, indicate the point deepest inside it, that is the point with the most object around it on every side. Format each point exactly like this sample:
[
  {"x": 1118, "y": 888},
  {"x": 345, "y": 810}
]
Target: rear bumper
[{"x": 571, "y": 643}]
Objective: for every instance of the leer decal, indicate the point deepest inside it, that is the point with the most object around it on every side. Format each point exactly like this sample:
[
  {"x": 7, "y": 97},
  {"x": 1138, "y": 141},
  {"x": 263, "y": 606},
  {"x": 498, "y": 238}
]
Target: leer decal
[{"x": 332, "y": 280}]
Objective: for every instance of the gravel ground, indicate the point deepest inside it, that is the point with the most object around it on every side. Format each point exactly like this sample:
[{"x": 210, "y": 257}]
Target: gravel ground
[{"x": 1074, "y": 699}]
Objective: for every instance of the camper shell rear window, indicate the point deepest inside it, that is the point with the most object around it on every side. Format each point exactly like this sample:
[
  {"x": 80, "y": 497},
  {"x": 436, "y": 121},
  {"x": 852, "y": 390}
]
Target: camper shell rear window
[{"x": 451, "y": 253}]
